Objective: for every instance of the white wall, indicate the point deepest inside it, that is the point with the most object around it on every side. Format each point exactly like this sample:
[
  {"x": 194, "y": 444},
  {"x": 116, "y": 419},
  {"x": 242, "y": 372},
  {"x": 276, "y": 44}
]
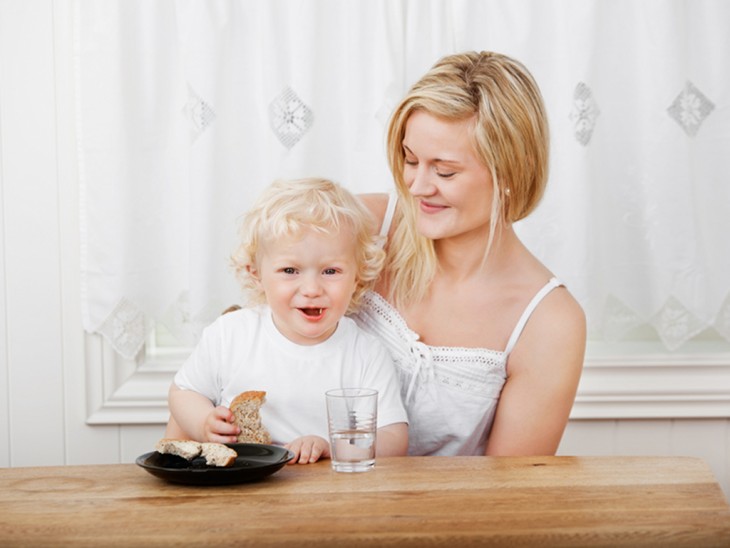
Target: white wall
[
  {"x": 42, "y": 347},
  {"x": 46, "y": 360}
]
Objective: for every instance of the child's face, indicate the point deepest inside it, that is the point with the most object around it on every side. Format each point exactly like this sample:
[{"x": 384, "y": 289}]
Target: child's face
[{"x": 308, "y": 281}]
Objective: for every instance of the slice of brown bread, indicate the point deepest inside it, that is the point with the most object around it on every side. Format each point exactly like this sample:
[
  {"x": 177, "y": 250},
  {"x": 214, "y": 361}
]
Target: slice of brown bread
[
  {"x": 187, "y": 449},
  {"x": 217, "y": 454},
  {"x": 245, "y": 409}
]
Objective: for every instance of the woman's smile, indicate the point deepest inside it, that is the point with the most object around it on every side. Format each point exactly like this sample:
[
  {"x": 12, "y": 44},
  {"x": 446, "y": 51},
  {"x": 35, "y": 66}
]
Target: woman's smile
[{"x": 431, "y": 207}]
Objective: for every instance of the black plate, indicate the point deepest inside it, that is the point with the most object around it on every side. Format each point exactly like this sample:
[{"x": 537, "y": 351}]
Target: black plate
[{"x": 254, "y": 462}]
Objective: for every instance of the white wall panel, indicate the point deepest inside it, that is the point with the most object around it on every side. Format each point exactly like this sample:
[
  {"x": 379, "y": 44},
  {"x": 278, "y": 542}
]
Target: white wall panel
[
  {"x": 583, "y": 437},
  {"x": 705, "y": 439},
  {"x": 138, "y": 439},
  {"x": 4, "y": 386},
  {"x": 644, "y": 437},
  {"x": 30, "y": 192},
  {"x": 726, "y": 483}
]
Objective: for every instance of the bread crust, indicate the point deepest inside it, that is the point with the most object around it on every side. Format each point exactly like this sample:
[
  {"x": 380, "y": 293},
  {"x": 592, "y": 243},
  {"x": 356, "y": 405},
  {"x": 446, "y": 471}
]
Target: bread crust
[
  {"x": 217, "y": 454},
  {"x": 245, "y": 408},
  {"x": 258, "y": 396}
]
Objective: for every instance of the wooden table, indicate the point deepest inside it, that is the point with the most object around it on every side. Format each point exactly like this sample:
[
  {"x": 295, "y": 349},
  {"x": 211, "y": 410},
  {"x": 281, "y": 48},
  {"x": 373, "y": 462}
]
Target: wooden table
[{"x": 409, "y": 501}]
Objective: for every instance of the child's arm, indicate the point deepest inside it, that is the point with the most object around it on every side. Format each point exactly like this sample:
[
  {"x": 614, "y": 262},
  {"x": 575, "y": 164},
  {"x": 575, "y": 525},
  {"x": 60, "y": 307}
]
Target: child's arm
[
  {"x": 392, "y": 440},
  {"x": 196, "y": 415},
  {"x": 173, "y": 430}
]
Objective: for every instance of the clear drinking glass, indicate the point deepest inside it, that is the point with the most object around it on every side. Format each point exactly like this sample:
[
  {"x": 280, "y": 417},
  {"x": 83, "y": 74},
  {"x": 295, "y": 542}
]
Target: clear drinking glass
[{"x": 352, "y": 415}]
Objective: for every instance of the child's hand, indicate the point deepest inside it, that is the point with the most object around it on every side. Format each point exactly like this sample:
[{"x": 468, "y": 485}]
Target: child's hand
[
  {"x": 308, "y": 449},
  {"x": 219, "y": 426}
]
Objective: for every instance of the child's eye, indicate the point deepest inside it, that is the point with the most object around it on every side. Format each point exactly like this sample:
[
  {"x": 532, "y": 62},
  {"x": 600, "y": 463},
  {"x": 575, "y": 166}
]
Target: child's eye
[
  {"x": 330, "y": 271},
  {"x": 289, "y": 270}
]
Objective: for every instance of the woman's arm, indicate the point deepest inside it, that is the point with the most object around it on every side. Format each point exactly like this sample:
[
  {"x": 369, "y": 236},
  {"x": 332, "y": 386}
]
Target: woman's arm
[
  {"x": 543, "y": 372},
  {"x": 392, "y": 440}
]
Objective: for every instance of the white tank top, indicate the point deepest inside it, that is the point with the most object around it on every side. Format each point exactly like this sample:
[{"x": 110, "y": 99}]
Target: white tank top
[{"x": 450, "y": 393}]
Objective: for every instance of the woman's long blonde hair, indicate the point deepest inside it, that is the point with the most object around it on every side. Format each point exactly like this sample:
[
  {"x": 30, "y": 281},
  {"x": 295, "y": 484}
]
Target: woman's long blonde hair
[{"x": 510, "y": 136}]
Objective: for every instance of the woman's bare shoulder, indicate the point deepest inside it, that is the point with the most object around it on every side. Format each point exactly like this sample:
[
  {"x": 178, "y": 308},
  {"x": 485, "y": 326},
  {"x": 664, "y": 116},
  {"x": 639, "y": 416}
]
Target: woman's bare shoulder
[
  {"x": 556, "y": 331},
  {"x": 562, "y": 312},
  {"x": 376, "y": 203}
]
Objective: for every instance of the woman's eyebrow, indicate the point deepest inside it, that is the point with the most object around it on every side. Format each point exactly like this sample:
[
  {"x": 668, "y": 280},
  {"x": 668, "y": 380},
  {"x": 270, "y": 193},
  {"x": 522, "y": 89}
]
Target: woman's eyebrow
[
  {"x": 447, "y": 161},
  {"x": 436, "y": 160}
]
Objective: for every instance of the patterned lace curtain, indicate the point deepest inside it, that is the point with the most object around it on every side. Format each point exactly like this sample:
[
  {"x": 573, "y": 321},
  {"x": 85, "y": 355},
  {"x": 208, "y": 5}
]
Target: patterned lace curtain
[{"x": 187, "y": 109}]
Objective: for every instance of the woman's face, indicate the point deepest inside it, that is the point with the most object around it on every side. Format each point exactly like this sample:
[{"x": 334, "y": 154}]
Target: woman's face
[{"x": 452, "y": 187}]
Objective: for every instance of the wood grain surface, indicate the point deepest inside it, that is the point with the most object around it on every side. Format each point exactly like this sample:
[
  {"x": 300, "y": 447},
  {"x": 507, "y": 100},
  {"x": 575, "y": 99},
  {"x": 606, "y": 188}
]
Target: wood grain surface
[{"x": 409, "y": 501}]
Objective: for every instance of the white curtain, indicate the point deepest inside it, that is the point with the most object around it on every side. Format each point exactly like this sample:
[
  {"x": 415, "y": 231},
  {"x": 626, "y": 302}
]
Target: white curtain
[{"x": 186, "y": 109}]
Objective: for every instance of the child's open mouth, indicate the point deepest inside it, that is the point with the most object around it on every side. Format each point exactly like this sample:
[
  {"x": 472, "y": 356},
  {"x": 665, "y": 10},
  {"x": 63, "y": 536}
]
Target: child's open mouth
[{"x": 312, "y": 312}]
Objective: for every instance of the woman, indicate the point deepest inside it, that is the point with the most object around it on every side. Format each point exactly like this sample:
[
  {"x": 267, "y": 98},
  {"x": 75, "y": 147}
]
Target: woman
[{"x": 488, "y": 344}]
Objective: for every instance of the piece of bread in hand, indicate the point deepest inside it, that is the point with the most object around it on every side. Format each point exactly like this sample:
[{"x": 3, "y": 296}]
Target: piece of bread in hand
[
  {"x": 217, "y": 454},
  {"x": 187, "y": 449},
  {"x": 245, "y": 408}
]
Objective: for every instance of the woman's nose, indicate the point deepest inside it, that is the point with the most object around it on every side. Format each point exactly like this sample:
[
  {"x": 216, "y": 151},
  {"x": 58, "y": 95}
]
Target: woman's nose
[{"x": 421, "y": 183}]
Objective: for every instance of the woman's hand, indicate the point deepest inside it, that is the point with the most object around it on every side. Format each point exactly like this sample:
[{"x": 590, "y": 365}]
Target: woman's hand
[{"x": 308, "y": 449}]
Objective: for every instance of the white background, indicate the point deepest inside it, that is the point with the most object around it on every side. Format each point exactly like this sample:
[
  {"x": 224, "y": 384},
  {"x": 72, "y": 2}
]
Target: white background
[{"x": 45, "y": 358}]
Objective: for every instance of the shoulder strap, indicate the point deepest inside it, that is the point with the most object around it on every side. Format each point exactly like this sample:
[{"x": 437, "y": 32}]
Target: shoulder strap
[
  {"x": 547, "y": 288},
  {"x": 388, "y": 218}
]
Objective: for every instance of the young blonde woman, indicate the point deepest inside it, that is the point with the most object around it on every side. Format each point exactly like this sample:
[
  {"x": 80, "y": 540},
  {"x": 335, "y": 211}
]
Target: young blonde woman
[{"x": 488, "y": 344}]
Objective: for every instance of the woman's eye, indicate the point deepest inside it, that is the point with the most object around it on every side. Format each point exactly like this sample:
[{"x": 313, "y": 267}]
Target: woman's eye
[
  {"x": 446, "y": 175},
  {"x": 410, "y": 162}
]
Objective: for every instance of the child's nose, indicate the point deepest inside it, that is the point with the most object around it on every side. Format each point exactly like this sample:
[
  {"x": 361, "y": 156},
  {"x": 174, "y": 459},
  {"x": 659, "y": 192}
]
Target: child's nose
[{"x": 310, "y": 286}]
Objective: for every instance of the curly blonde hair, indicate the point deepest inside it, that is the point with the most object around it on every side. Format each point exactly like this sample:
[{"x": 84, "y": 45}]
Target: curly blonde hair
[
  {"x": 288, "y": 207},
  {"x": 510, "y": 135}
]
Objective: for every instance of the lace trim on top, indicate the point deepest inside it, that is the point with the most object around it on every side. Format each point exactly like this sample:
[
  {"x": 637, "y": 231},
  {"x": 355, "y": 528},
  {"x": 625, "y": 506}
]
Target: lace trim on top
[{"x": 468, "y": 369}]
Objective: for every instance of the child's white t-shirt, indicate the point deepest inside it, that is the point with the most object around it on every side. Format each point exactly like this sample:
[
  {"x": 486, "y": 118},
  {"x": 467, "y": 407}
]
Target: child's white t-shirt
[{"x": 243, "y": 350}]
